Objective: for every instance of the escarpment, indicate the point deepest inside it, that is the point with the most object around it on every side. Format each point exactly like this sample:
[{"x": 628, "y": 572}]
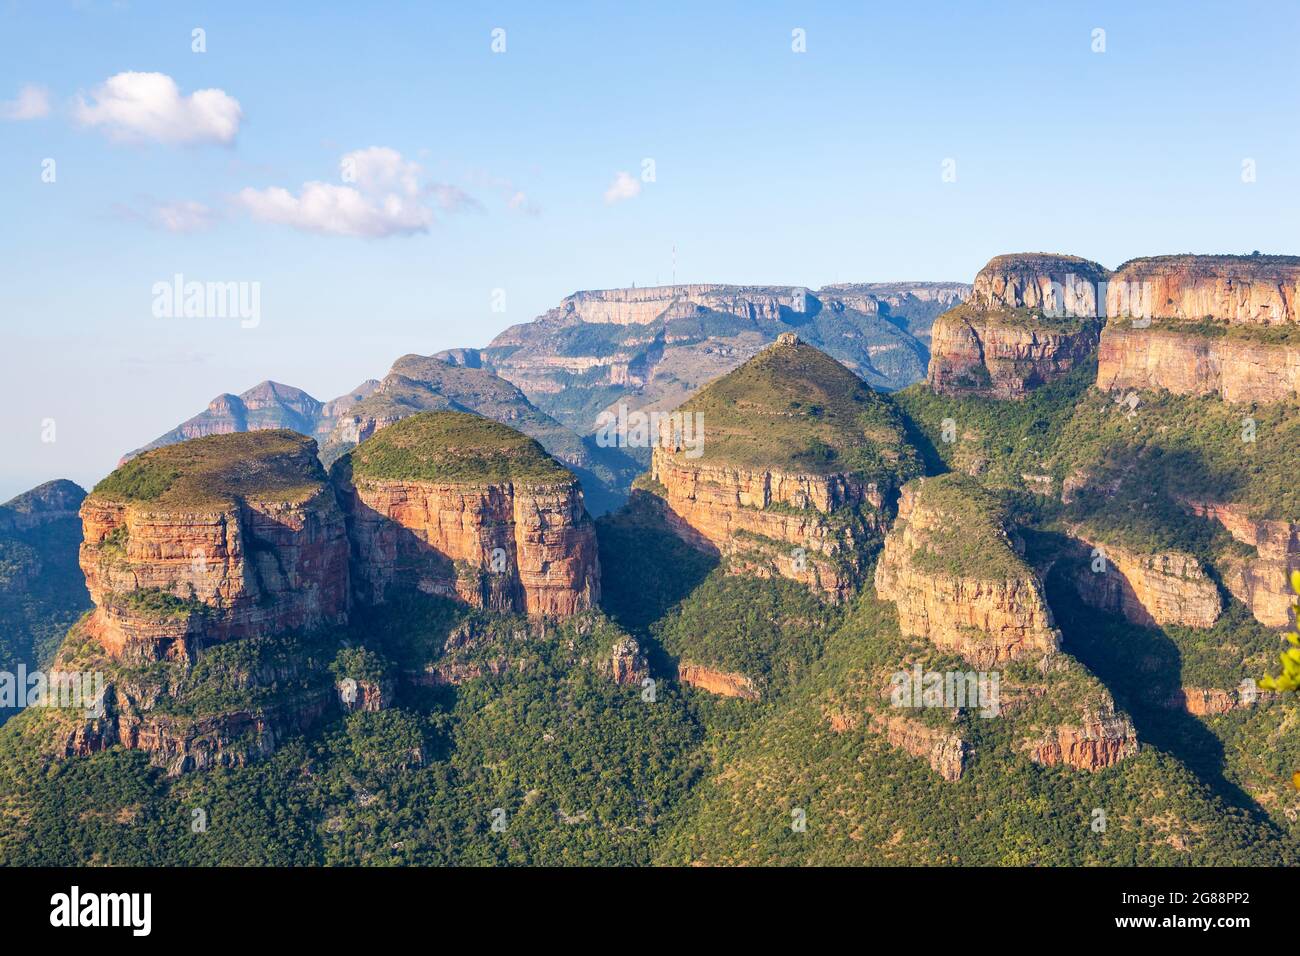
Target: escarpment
[
  {"x": 212, "y": 540},
  {"x": 787, "y": 466},
  {"x": 459, "y": 505},
  {"x": 205, "y": 560},
  {"x": 1259, "y": 581},
  {"x": 1204, "y": 325},
  {"x": 1102, "y": 738},
  {"x": 1152, "y": 590},
  {"x": 956, "y": 579},
  {"x": 958, "y": 582},
  {"x": 1030, "y": 319}
]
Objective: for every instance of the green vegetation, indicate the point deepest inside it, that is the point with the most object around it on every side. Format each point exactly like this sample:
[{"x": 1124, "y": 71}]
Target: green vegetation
[
  {"x": 452, "y": 446},
  {"x": 157, "y": 604},
  {"x": 797, "y": 409},
  {"x": 218, "y": 470},
  {"x": 42, "y": 593},
  {"x": 769, "y": 629},
  {"x": 968, "y": 538}
]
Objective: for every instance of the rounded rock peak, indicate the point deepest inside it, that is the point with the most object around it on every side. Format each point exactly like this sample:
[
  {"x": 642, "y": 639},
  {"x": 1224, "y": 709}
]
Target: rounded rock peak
[
  {"x": 787, "y": 338},
  {"x": 1038, "y": 280}
]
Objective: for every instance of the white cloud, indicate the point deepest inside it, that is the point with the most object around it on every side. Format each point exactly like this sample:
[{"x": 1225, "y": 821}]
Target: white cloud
[
  {"x": 184, "y": 216},
  {"x": 149, "y": 106},
  {"x": 32, "y": 102},
  {"x": 383, "y": 196},
  {"x": 454, "y": 199},
  {"x": 623, "y": 187},
  {"x": 520, "y": 202}
]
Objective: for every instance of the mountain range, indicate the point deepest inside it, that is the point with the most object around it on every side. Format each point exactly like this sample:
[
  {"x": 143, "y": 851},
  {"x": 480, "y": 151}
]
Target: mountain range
[{"x": 1010, "y": 613}]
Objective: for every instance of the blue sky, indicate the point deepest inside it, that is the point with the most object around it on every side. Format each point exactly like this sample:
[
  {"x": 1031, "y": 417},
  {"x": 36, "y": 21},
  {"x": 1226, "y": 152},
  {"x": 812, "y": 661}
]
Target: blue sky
[{"x": 493, "y": 171}]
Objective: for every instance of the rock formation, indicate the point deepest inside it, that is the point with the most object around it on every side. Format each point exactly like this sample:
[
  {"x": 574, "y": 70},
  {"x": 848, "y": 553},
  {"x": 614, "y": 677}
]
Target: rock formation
[
  {"x": 956, "y": 579},
  {"x": 213, "y": 540},
  {"x": 627, "y": 664},
  {"x": 794, "y": 471},
  {"x": 1259, "y": 582},
  {"x": 1101, "y": 739},
  {"x": 1240, "y": 290},
  {"x": 1204, "y": 325},
  {"x": 1185, "y": 363},
  {"x": 456, "y": 504},
  {"x": 1148, "y": 589},
  {"x": 722, "y": 683},
  {"x": 1030, "y": 319}
]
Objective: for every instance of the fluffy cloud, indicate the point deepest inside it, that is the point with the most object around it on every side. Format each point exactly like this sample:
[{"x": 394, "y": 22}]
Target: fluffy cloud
[
  {"x": 383, "y": 195},
  {"x": 623, "y": 187},
  {"x": 149, "y": 106},
  {"x": 32, "y": 102}
]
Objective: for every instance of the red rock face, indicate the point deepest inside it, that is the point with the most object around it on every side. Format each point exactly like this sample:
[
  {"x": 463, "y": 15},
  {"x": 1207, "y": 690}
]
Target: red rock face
[
  {"x": 988, "y": 622},
  {"x": 1151, "y": 589},
  {"x": 1181, "y": 290},
  {"x": 1187, "y": 364},
  {"x": 1102, "y": 739},
  {"x": 729, "y": 511},
  {"x": 970, "y": 355},
  {"x": 256, "y": 568},
  {"x": 1244, "y": 290},
  {"x": 508, "y": 546},
  {"x": 1000, "y": 345},
  {"x": 1261, "y": 582},
  {"x": 722, "y": 683}
]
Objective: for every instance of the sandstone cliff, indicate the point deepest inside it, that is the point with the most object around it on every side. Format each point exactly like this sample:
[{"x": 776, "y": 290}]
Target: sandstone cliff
[
  {"x": 1030, "y": 319},
  {"x": 1186, "y": 363},
  {"x": 722, "y": 683},
  {"x": 456, "y": 504},
  {"x": 213, "y": 540},
  {"x": 795, "y": 469},
  {"x": 956, "y": 579},
  {"x": 1101, "y": 739},
  {"x": 1148, "y": 589},
  {"x": 1246, "y": 290},
  {"x": 1204, "y": 325},
  {"x": 1259, "y": 582}
]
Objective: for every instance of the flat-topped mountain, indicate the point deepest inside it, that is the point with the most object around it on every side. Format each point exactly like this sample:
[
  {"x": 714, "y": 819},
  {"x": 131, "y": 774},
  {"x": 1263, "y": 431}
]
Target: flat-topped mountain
[
  {"x": 456, "y": 504},
  {"x": 650, "y": 348},
  {"x": 788, "y": 466},
  {"x": 1030, "y": 319},
  {"x": 213, "y": 539}
]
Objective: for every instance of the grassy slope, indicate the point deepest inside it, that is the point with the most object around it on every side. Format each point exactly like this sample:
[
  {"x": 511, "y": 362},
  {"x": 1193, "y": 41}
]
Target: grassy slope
[
  {"x": 796, "y": 409},
  {"x": 217, "y": 470},
  {"x": 453, "y": 446}
]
